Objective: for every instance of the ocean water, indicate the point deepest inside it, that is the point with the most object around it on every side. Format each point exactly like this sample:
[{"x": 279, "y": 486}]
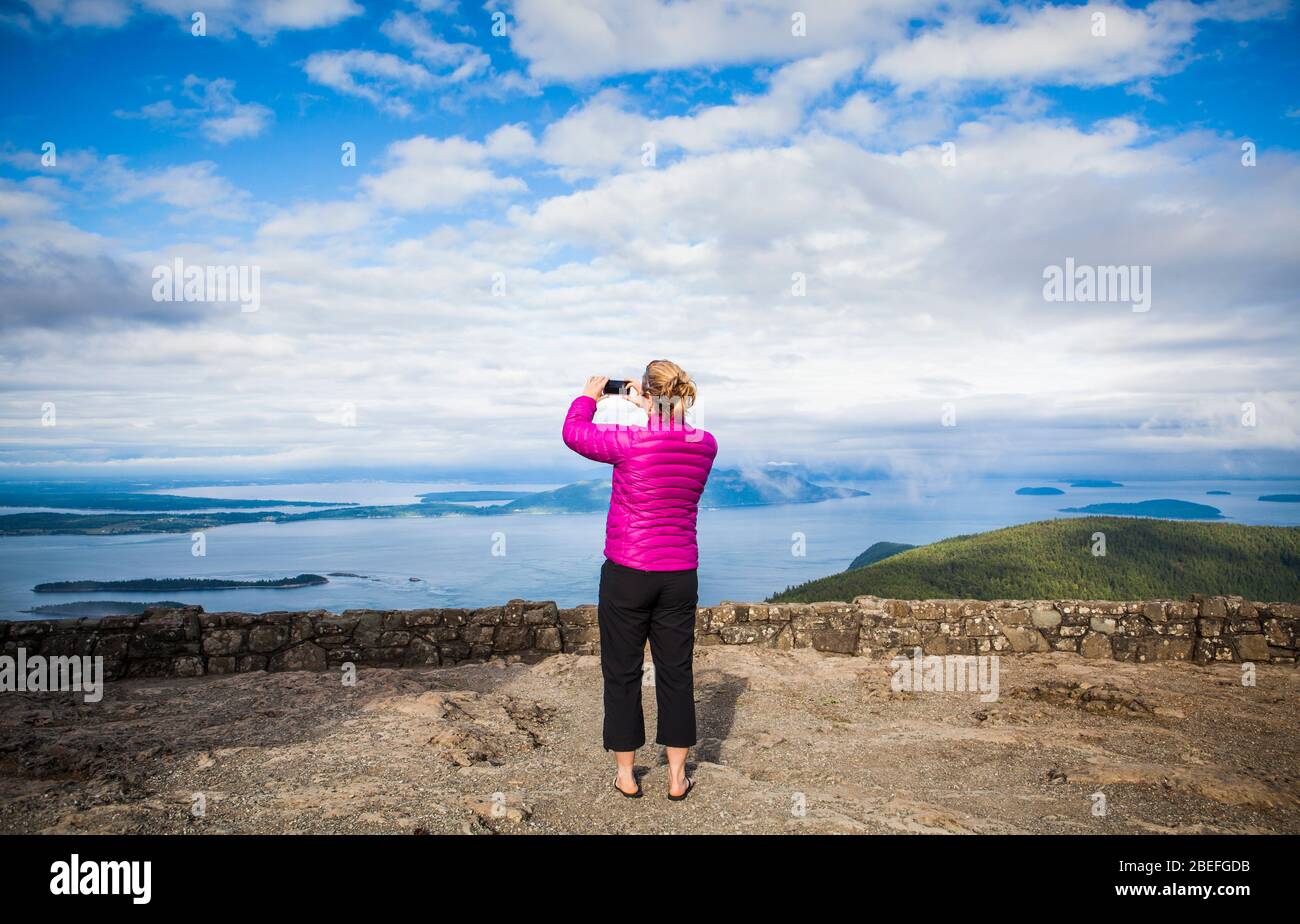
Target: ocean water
[{"x": 746, "y": 553}]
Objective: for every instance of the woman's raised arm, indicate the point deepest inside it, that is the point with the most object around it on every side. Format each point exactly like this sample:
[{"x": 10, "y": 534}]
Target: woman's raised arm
[{"x": 598, "y": 443}]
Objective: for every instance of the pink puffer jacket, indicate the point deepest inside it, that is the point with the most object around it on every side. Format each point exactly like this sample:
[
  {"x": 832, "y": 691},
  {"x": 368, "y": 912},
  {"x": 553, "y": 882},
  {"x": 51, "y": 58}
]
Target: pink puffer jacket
[{"x": 659, "y": 474}]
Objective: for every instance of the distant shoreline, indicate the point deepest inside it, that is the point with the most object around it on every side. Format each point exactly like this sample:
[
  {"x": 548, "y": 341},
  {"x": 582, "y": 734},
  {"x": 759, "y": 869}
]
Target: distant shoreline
[
  {"x": 726, "y": 488},
  {"x": 97, "y": 609},
  {"x": 166, "y": 585}
]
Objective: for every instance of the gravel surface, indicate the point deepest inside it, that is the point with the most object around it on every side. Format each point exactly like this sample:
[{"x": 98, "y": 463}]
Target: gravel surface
[{"x": 791, "y": 742}]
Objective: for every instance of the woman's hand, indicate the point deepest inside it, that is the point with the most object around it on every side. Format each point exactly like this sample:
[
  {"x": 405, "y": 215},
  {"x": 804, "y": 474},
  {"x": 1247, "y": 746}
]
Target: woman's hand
[
  {"x": 596, "y": 387},
  {"x": 636, "y": 397}
]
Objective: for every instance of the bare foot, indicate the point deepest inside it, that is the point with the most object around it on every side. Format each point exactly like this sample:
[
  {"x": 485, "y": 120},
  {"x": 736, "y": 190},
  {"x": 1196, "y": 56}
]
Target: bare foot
[{"x": 626, "y": 783}]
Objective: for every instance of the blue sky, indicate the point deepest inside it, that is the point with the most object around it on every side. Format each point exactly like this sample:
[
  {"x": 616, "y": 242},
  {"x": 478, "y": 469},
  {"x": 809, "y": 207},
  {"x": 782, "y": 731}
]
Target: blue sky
[{"x": 380, "y": 342}]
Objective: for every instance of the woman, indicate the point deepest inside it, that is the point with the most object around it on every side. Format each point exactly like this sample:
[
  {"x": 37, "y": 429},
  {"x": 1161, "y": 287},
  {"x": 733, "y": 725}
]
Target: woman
[{"x": 648, "y": 584}]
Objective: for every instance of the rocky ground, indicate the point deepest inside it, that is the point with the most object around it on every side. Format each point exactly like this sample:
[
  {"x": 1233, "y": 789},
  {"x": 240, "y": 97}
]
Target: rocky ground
[{"x": 791, "y": 742}]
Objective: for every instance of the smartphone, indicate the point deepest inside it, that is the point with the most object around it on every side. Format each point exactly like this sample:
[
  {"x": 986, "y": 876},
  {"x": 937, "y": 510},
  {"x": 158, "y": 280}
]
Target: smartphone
[{"x": 617, "y": 386}]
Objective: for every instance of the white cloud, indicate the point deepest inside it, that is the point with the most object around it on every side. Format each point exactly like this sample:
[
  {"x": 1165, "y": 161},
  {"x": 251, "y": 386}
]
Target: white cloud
[
  {"x": 577, "y": 40},
  {"x": 433, "y": 173},
  {"x": 597, "y": 136},
  {"x": 1094, "y": 45},
  {"x": 18, "y": 203},
  {"x": 274, "y": 15},
  {"x": 380, "y": 78},
  {"x": 217, "y": 113},
  {"x": 418, "y": 174},
  {"x": 192, "y": 189},
  {"x": 859, "y": 116},
  {"x": 454, "y": 61},
  {"x": 605, "y": 134},
  {"x": 448, "y": 72},
  {"x": 102, "y": 13},
  {"x": 315, "y": 219},
  {"x": 774, "y": 115},
  {"x": 247, "y": 121},
  {"x": 256, "y": 17},
  {"x": 82, "y": 178},
  {"x": 510, "y": 142}
]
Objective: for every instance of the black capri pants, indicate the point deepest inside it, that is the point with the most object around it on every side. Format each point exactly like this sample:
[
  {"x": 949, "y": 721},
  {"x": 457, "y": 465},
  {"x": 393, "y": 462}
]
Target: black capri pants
[{"x": 635, "y": 606}]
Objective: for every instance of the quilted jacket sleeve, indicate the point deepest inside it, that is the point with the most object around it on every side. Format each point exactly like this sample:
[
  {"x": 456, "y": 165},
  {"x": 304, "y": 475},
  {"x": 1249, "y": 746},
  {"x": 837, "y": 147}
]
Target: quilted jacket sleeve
[{"x": 598, "y": 443}]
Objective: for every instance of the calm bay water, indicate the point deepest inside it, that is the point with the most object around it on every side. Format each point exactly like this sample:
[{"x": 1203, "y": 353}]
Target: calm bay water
[{"x": 746, "y": 553}]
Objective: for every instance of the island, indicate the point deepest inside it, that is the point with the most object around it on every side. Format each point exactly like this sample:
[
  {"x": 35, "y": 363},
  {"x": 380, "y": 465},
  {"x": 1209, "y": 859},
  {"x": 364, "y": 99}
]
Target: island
[
  {"x": 878, "y": 551},
  {"x": 1095, "y": 483},
  {"x": 97, "y": 609},
  {"x": 1163, "y": 508},
  {"x": 461, "y": 497},
  {"x": 1281, "y": 498},
  {"x": 1220, "y": 493},
  {"x": 1038, "y": 492},
  {"x": 730, "y": 488},
  {"x": 164, "y": 585},
  {"x": 579, "y": 497}
]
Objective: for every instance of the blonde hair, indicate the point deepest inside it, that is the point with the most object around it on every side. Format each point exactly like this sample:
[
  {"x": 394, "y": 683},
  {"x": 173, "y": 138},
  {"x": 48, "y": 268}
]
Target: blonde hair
[{"x": 669, "y": 388}]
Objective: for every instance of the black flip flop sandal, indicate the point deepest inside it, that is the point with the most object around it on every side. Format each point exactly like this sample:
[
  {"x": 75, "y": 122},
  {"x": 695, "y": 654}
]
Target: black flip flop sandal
[
  {"x": 629, "y": 795},
  {"x": 690, "y": 784}
]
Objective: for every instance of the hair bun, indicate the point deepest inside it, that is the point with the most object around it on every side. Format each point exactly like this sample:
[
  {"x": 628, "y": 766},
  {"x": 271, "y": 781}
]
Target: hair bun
[{"x": 669, "y": 380}]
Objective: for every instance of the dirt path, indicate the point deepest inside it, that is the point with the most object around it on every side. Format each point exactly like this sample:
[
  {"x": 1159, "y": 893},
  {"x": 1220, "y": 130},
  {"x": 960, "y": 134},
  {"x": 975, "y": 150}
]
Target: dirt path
[{"x": 790, "y": 742}]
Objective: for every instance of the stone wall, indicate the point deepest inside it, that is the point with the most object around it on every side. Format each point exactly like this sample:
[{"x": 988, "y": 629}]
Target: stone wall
[
  {"x": 1202, "y": 629},
  {"x": 189, "y": 642}
]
